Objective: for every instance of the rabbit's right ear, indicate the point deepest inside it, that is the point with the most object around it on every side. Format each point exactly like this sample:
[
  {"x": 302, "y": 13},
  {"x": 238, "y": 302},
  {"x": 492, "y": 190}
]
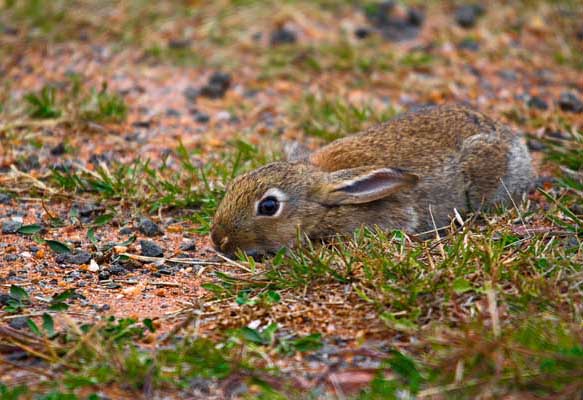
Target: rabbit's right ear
[{"x": 362, "y": 185}]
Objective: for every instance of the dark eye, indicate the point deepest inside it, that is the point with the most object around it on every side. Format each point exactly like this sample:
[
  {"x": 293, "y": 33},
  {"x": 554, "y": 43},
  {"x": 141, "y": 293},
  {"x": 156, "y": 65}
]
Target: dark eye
[{"x": 268, "y": 206}]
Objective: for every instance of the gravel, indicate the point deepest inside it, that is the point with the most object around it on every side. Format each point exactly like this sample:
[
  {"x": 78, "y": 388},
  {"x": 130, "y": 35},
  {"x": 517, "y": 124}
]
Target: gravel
[
  {"x": 537, "y": 102},
  {"x": 282, "y": 35},
  {"x": 149, "y": 227},
  {"x": 467, "y": 15},
  {"x": 151, "y": 249},
  {"x": 217, "y": 86},
  {"x": 569, "y": 102},
  {"x": 77, "y": 257},
  {"x": 11, "y": 226}
]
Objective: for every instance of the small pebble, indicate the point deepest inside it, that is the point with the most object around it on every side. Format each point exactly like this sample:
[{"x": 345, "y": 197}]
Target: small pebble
[
  {"x": 103, "y": 275},
  {"x": 537, "y": 102},
  {"x": 469, "y": 44},
  {"x": 11, "y": 226},
  {"x": 149, "y": 227},
  {"x": 126, "y": 230},
  {"x": 191, "y": 93},
  {"x": 78, "y": 257},
  {"x": 415, "y": 17},
  {"x": 282, "y": 36},
  {"x": 217, "y": 86},
  {"x": 11, "y": 257},
  {"x": 467, "y": 15},
  {"x": 59, "y": 149},
  {"x": 570, "y": 102},
  {"x": 188, "y": 246},
  {"x": 201, "y": 117},
  {"x": 4, "y": 299},
  {"x": 5, "y": 199},
  {"x": 18, "y": 322},
  {"x": 151, "y": 249},
  {"x": 362, "y": 33}
]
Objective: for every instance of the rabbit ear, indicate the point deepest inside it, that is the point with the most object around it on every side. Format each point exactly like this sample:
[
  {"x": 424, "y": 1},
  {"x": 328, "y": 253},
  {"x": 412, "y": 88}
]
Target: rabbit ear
[{"x": 363, "y": 185}]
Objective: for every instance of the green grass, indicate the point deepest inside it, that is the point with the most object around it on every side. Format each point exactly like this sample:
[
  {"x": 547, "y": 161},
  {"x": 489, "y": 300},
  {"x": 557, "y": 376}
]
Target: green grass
[{"x": 330, "y": 117}]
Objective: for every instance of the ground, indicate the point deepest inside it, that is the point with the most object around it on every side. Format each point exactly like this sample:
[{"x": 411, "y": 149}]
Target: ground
[{"x": 121, "y": 123}]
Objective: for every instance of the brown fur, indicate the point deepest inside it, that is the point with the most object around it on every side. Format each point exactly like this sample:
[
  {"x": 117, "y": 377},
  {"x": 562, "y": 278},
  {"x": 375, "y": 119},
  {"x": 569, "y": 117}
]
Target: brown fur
[{"x": 409, "y": 173}]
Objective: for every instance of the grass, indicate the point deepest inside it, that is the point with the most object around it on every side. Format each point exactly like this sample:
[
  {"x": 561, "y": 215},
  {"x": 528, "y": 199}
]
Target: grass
[
  {"x": 491, "y": 309},
  {"x": 329, "y": 118}
]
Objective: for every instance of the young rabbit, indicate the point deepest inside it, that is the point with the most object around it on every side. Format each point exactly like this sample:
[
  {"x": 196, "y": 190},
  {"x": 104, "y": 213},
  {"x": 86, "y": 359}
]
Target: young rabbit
[{"x": 408, "y": 173}]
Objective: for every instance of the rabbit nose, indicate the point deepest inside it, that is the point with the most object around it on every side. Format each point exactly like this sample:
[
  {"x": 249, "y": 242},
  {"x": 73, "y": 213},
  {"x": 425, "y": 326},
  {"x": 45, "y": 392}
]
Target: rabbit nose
[{"x": 218, "y": 238}]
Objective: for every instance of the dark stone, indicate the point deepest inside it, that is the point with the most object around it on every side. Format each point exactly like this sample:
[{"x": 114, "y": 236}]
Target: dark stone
[
  {"x": 11, "y": 226},
  {"x": 282, "y": 35},
  {"x": 151, "y": 249},
  {"x": 34, "y": 249},
  {"x": 395, "y": 27},
  {"x": 415, "y": 17},
  {"x": 59, "y": 149},
  {"x": 217, "y": 86},
  {"x": 30, "y": 163},
  {"x": 10, "y": 257},
  {"x": 579, "y": 34},
  {"x": 126, "y": 230},
  {"x": 467, "y": 15},
  {"x": 142, "y": 124},
  {"x": 569, "y": 102},
  {"x": 362, "y": 33},
  {"x": 170, "y": 112},
  {"x": 18, "y": 323},
  {"x": 10, "y": 30},
  {"x": 191, "y": 93},
  {"x": 469, "y": 44},
  {"x": 188, "y": 246},
  {"x": 117, "y": 269},
  {"x": 178, "y": 44},
  {"x": 201, "y": 117},
  {"x": 508, "y": 75},
  {"x": 4, "y": 299},
  {"x": 5, "y": 199},
  {"x": 149, "y": 228},
  {"x": 78, "y": 257},
  {"x": 537, "y": 102},
  {"x": 165, "y": 271},
  {"x": 577, "y": 209},
  {"x": 103, "y": 275},
  {"x": 535, "y": 145}
]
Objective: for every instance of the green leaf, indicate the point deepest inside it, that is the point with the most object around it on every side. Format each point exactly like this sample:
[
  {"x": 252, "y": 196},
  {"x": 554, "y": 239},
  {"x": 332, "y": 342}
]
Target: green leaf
[
  {"x": 252, "y": 335},
  {"x": 273, "y": 296},
  {"x": 103, "y": 219},
  {"x": 30, "y": 229},
  {"x": 58, "y": 247},
  {"x": 406, "y": 368},
  {"x": 33, "y": 327},
  {"x": 91, "y": 236},
  {"x": 48, "y": 324},
  {"x": 67, "y": 294},
  {"x": 58, "y": 307},
  {"x": 460, "y": 285},
  {"x": 308, "y": 343},
  {"x": 18, "y": 293},
  {"x": 150, "y": 325}
]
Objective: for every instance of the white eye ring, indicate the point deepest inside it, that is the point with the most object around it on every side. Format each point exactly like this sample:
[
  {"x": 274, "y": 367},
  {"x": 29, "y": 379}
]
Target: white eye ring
[{"x": 279, "y": 195}]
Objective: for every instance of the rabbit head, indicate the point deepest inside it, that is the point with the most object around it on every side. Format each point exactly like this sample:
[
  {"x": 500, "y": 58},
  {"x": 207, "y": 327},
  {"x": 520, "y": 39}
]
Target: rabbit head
[{"x": 265, "y": 209}]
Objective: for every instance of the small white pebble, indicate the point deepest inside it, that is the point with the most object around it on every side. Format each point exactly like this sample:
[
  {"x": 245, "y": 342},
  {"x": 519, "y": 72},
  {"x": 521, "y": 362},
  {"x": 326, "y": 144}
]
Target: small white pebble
[
  {"x": 25, "y": 254},
  {"x": 18, "y": 218},
  {"x": 223, "y": 116},
  {"x": 93, "y": 266},
  {"x": 254, "y": 324}
]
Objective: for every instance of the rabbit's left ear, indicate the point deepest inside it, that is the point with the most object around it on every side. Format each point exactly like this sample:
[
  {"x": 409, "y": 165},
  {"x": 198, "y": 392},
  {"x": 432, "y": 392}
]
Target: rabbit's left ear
[{"x": 362, "y": 185}]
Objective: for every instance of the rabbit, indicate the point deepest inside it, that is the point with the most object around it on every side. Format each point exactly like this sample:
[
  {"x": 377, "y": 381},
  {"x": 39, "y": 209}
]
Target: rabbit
[{"x": 408, "y": 173}]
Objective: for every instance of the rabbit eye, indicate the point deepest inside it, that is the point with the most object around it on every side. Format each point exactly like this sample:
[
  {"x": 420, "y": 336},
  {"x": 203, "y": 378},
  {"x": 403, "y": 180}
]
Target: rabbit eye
[{"x": 268, "y": 206}]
